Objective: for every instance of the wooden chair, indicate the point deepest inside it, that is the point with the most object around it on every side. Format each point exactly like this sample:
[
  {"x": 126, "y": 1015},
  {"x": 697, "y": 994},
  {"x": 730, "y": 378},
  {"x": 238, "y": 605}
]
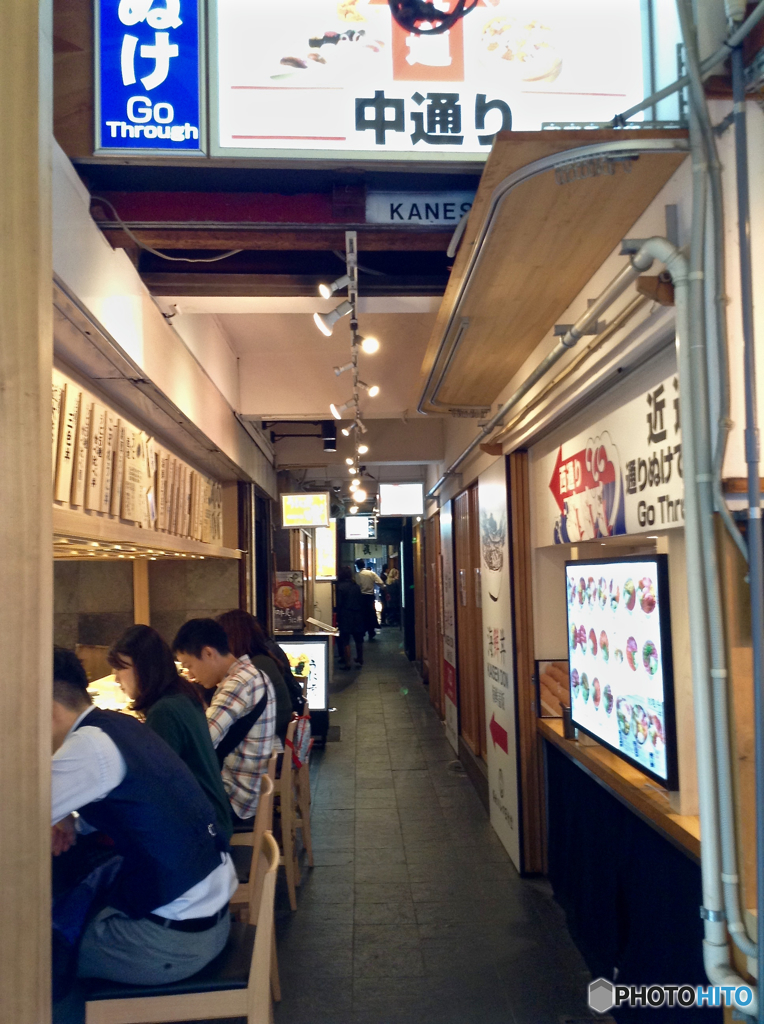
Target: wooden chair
[
  {"x": 234, "y": 984},
  {"x": 293, "y": 789},
  {"x": 248, "y": 893}
]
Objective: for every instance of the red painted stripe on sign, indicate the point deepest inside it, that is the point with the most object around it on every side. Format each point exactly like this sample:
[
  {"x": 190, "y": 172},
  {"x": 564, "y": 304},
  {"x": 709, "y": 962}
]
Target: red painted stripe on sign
[{"x": 311, "y": 138}]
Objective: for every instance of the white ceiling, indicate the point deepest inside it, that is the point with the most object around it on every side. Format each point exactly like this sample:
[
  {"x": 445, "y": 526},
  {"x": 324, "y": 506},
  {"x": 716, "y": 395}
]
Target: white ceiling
[{"x": 286, "y": 364}]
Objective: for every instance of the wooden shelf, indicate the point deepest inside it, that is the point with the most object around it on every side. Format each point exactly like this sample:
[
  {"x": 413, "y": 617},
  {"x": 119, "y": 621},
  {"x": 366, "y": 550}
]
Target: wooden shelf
[
  {"x": 94, "y": 526},
  {"x": 628, "y": 785}
]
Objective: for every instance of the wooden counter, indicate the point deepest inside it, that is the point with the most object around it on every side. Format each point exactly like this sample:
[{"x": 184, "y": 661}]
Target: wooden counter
[{"x": 628, "y": 785}]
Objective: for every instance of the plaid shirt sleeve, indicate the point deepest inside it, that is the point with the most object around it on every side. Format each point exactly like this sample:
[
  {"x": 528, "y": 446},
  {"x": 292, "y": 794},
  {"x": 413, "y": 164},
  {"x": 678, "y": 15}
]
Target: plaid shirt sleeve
[{"x": 237, "y": 695}]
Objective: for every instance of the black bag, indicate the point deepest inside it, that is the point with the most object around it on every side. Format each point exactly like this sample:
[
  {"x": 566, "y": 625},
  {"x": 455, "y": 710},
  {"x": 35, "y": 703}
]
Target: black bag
[{"x": 240, "y": 729}]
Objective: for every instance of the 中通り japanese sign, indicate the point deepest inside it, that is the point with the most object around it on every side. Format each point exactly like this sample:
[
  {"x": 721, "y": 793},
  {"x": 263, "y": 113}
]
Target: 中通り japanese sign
[
  {"x": 148, "y": 75},
  {"x": 343, "y": 75},
  {"x": 623, "y": 475}
]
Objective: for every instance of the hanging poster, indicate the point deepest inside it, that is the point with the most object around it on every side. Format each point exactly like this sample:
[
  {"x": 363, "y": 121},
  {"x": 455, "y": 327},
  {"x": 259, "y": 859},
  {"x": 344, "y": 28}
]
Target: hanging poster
[
  {"x": 498, "y": 659},
  {"x": 288, "y": 603},
  {"x": 622, "y": 475},
  {"x": 449, "y": 624},
  {"x": 70, "y": 409},
  {"x": 342, "y": 76}
]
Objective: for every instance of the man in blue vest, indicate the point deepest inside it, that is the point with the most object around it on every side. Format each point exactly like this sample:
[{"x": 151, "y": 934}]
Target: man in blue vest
[{"x": 168, "y": 909}]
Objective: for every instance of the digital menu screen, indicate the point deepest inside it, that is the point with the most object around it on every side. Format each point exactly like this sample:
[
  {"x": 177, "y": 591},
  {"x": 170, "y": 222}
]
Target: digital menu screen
[{"x": 621, "y": 679}]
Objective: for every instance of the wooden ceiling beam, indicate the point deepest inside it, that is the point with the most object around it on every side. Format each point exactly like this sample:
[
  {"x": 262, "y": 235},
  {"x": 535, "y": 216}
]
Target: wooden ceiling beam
[{"x": 316, "y": 238}]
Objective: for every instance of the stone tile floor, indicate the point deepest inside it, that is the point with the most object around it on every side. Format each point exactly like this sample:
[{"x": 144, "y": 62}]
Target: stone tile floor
[{"x": 413, "y": 913}]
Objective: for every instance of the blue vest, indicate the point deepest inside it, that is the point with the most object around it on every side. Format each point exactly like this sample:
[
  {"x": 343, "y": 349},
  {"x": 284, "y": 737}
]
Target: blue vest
[{"x": 158, "y": 816}]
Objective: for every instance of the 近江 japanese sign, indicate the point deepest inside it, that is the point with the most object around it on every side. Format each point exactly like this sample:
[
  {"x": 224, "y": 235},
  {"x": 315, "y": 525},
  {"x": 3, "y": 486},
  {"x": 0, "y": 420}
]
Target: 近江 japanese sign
[
  {"x": 623, "y": 475},
  {"x": 342, "y": 76},
  {"x": 148, "y": 76}
]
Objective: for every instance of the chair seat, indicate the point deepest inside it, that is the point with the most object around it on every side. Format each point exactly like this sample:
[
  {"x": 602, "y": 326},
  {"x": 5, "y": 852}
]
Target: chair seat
[
  {"x": 229, "y": 970},
  {"x": 242, "y": 861}
]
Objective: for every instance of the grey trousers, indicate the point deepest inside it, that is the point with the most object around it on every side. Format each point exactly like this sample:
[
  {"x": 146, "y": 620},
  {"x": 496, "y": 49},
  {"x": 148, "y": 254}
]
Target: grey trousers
[{"x": 140, "y": 952}]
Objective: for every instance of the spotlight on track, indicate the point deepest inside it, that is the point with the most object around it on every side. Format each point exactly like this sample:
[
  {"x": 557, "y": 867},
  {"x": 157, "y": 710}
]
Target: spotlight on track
[
  {"x": 327, "y": 290},
  {"x": 362, "y": 449},
  {"x": 353, "y": 509},
  {"x": 369, "y": 346},
  {"x": 360, "y": 495},
  {"x": 341, "y": 369},
  {"x": 325, "y": 321},
  {"x": 337, "y": 410}
]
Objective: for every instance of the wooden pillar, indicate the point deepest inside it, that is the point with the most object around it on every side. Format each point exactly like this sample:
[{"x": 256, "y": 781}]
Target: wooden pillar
[
  {"x": 26, "y": 555},
  {"x": 141, "y": 606}
]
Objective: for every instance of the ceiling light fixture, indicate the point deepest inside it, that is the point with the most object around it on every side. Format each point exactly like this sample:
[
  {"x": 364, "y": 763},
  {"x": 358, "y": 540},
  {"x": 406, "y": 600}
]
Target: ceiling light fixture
[
  {"x": 373, "y": 389},
  {"x": 369, "y": 346},
  {"x": 337, "y": 410},
  {"x": 325, "y": 321},
  {"x": 327, "y": 290},
  {"x": 354, "y": 484},
  {"x": 341, "y": 369},
  {"x": 353, "y": 509},
  {"x": 349, "y": 461},
  {"x": 362, "y": 449},
  {"x": 360, "y": 495}
]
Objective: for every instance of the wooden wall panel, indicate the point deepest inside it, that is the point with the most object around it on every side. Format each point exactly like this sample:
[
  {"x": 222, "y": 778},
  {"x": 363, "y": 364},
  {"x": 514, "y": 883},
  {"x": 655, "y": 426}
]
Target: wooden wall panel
[
  {"x": 419, "y": 599},
  {"x": 73, "y": 93},
  {"x": 529, "y": 754},
  {"x": 469, "y": 623},
  {"x": 434, "y": 614}
]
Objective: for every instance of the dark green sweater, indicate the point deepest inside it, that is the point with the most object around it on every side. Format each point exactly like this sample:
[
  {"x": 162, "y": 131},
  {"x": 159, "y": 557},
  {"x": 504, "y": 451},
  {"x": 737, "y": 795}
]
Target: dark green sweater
[{"x": 182, "y": 724}]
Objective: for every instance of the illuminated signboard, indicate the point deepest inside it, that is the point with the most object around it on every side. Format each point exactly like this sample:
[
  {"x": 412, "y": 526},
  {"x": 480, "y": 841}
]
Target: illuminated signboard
[
  {"x": 310, "y": 657},
  {"x": 401, "y": 499},
  {"x": 326, "y": 551},
  {"x": 341, "y": 75},
  {"x": 621, "y": 681},
  {"x": 148, "y": 82},
  {"x": 360, "y": 528},
  {"x": 304, "y": 510}
]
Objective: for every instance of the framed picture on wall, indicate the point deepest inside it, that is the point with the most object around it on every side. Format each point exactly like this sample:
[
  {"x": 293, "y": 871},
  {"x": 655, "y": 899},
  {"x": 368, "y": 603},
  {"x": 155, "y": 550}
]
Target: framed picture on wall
[
  {"x": 552, "y": 688},
  {"x": 288, "y": 601}
]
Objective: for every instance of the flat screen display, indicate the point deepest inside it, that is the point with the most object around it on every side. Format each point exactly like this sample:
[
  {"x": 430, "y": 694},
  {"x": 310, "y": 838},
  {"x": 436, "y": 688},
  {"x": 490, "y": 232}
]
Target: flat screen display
[
  {"x": 310, "y": 658},
  {"x": 360, "y": 528},
  {"x": 401, "y": 499},
  {"x": 304, "y": 510},
  {"x": 621, "y": 677}
]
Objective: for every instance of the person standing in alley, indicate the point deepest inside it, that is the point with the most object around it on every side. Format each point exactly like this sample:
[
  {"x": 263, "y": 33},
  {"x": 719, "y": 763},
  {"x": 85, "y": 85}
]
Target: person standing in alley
[
  {"x": 367, "y": 580},
  {"x": 350, "y": 615}
]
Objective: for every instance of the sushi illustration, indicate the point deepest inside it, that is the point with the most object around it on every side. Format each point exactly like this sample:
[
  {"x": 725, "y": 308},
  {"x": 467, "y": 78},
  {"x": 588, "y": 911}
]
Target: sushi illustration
[
  {"x": 656, "y": 732},
  {"x": 646, "y": 595},
  {"x": 631, "y": 653},
  {"x": 596, "y": 692},
  {"x": 581, "y": 591},
  {"x": 641, "y": 724},
  {"x": 592, "y": 643},
  {"x": 575, "y": 681},
  {"x": 607, "y": 699},
  {"x": 650, "y": 657},
  {"x": 615, "y": 595},
  {"x": 604, "y": 646},
  {"x": 573, "y": 636},
  {"x": 585, "y": 685},
  {"x": 591, "y": 592},
  {"x": 629, "y": 595},
  {"x": 602, "y": 594},
  {"x": 623, "y": 712}
]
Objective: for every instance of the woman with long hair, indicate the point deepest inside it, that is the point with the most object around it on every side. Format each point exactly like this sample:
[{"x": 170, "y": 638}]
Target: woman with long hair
[
  {"x": 245, "y": 636},
  {"x": 172, "y": 706}
]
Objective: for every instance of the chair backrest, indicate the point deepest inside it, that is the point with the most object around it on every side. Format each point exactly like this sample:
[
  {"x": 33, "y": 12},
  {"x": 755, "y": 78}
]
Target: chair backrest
[
  {"x": 272, "y": 761},
  {"x": 259, "y": 989},
  {"x": 263, "y": 824}
]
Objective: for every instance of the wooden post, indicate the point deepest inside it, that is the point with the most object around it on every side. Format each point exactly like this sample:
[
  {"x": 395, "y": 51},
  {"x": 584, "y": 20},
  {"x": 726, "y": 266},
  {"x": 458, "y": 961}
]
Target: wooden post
[
  {"x": 141, "y": 606},
  {"x": 26, "y": 556}
]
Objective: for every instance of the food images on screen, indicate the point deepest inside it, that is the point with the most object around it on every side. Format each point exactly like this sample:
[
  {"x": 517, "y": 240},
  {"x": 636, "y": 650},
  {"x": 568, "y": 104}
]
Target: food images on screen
[{"x": 620, "y": 629}]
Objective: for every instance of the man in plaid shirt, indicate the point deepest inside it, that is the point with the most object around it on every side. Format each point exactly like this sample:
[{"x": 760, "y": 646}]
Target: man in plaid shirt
[{"x": 240, "y": 689}]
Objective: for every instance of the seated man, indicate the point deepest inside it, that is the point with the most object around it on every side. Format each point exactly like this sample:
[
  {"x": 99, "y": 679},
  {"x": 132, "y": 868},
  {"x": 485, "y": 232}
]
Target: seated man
[
  {"x": 241, "y": 715},
  {"x": 168, "y": 907}
]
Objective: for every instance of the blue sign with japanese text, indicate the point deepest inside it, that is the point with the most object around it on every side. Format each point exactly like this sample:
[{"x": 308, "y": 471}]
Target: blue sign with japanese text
[{"x": 148, "y": 75}]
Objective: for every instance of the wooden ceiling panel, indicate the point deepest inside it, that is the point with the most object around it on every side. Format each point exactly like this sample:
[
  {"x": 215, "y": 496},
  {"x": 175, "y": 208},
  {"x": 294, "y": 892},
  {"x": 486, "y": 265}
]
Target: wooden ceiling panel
[{"x": 547, "y": 241}]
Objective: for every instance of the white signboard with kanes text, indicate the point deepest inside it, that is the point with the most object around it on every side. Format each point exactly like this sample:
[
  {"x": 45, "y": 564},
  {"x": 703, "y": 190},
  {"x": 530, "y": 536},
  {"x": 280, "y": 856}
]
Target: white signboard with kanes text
[
  {"x": 622, "y": 475},
  {"x": 498, "y": 659},
  {"x": 342, "y": 76}
]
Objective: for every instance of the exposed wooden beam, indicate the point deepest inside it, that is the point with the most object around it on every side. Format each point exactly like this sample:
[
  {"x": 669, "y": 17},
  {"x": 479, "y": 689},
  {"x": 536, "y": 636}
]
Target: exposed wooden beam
[
  {"x": 316, "y": 238},
  {"x": 272, "y": 285}
]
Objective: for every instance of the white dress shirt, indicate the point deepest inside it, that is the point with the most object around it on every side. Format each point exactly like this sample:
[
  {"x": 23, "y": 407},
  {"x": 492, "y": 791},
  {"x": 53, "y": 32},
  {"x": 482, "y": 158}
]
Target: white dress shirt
[
  {"x": 87, "y": 767},
  {"x": 366, "y": 579}
]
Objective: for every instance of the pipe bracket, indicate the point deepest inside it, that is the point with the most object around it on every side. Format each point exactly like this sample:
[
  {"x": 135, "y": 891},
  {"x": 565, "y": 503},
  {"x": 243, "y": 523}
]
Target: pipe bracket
[{"x": 712, "y": 915}]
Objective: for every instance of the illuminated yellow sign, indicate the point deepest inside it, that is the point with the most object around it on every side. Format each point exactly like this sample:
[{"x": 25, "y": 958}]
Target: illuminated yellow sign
[
  {"x": 326, "y": 551},
  {"x": 304, "y": 510}
]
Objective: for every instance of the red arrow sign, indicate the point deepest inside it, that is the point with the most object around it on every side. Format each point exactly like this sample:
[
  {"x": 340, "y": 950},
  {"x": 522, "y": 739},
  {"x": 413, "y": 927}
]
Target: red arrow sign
[{"x": 498, "y": 735}]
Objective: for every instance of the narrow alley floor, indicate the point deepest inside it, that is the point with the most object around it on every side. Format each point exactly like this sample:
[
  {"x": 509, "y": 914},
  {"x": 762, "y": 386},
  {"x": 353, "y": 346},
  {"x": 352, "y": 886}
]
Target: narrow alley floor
[{"x": 413, "y": 913}]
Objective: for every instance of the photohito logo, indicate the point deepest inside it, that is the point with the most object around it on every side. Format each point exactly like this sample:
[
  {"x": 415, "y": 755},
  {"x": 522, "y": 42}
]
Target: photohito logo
[{"x": 604, "y": 995}]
